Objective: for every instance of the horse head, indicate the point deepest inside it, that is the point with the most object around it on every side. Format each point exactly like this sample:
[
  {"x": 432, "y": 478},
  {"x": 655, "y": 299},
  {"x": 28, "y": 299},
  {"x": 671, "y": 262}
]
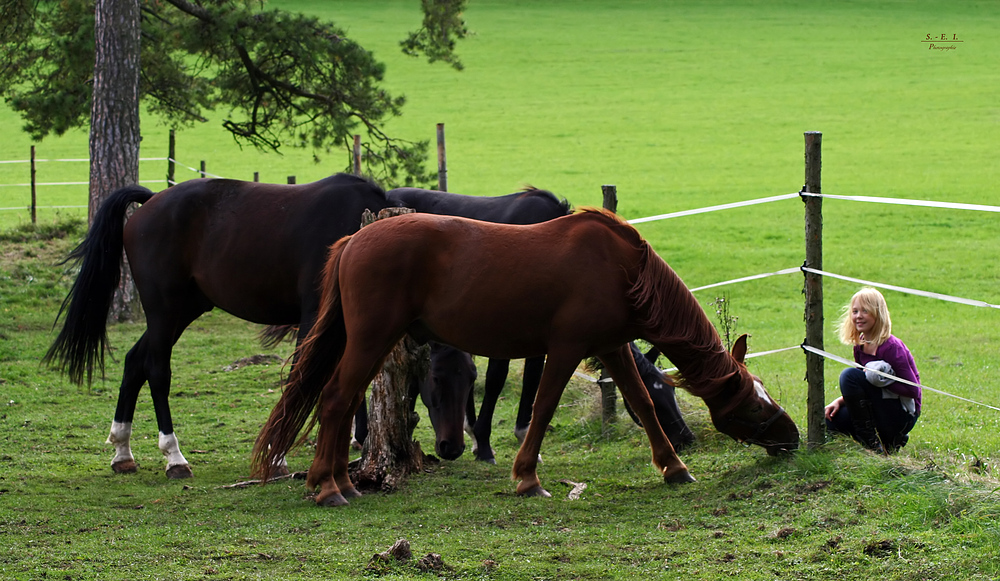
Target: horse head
[
  {"x": 752, "y": 416},
  {"x": 453, "y": 374}
]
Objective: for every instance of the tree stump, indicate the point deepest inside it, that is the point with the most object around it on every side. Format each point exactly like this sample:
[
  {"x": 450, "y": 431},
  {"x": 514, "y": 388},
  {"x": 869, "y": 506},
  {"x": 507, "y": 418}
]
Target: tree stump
[{"x": 390, "y": 453}]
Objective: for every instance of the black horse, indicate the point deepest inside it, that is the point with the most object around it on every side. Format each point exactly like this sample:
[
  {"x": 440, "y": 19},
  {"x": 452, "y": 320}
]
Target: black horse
[
  {"x": 661, "y": 388},
  {"x": 254, "y": 250}
]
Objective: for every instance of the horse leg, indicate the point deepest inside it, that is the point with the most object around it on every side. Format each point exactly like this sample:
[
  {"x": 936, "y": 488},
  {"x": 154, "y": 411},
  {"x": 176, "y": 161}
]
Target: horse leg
[
  {"x": 470, "y": 418},
  {"x": 339, "y": 401},
  {"x": 162, "y": 331},
  {"x": 341, "y": 462},
  {"x": 360, "y": 424},
  {"x": 556, "y": 374},
  {"x": 621, "y": 365},
  {"x": 533, "y": 367},
  {"x": 332, "y": 402},
  {"x": 133, "y": 378},
  {"x": 496, "y": 377}
]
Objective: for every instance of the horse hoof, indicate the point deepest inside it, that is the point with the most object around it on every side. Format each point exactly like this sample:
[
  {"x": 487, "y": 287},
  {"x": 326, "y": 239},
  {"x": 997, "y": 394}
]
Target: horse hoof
[
  {"x": 125, "y": 467},
  {"x": 682, "y": 477},
  {"x": 350, "y": 492},
  {"x": 335, "y": 499},
  {"x": 535, "y": 490},
  {"x": 179, "y": 471},
  {"x": 492, "y": 461}
]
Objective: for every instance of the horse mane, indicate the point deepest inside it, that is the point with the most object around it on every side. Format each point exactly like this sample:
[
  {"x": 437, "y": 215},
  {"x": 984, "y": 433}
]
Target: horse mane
[
  {"x": 672, "y": 318},
  {"x": 531, "y": 191}
]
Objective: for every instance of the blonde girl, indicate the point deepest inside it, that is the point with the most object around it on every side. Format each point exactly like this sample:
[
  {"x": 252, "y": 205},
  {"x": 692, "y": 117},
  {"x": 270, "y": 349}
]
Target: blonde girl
[{"x": 875, "y": 410}]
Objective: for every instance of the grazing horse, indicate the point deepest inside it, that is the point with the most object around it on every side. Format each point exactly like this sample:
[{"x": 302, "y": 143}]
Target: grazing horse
[
  {"x": 444, "y": 391},
  {"x": 530, "y": 206},
  {"x": 575, "y": 287},
  {"x": 661, "y": 390},
  {"x": 254, "y": 250}
]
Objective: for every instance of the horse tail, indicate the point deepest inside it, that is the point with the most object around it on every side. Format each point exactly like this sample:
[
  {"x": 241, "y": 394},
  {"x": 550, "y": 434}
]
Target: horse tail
[
  {"x": 273, "y": 335},
  {"x": 81, "y": 344},
  {"x": 313, "y": 364}
]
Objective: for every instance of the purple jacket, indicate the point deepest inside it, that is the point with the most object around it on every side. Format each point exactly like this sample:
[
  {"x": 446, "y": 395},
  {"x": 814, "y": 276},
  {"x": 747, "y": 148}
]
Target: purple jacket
[{"x": 895, "y": 353}]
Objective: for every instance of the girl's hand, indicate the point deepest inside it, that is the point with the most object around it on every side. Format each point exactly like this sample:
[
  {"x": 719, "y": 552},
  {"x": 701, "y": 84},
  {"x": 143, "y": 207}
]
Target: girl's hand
[{"x": 834, "y": 406}]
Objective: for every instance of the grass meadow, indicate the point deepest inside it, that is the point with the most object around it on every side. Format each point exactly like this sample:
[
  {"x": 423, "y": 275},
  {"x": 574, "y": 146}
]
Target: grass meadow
[{"x": 681, "y": 106}]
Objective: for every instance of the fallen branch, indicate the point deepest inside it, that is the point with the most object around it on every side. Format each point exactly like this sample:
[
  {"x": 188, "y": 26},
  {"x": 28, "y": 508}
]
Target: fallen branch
[{"x": 246, "y": 483}]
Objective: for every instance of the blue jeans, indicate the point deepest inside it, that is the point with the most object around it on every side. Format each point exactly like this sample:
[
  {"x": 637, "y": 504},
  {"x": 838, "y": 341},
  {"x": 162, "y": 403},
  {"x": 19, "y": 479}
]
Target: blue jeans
[{"x": 892, "y": 422}]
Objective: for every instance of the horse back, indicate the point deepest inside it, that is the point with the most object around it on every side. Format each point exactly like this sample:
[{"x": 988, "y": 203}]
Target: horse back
[
  {"x": 526, "y": 207},
  {"x": 518, "y": 283},
  {"x": 251, "y": 248}
]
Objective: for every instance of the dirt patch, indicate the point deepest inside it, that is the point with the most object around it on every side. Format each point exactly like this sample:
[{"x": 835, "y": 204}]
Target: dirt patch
[{"x": 260, "y": 359}]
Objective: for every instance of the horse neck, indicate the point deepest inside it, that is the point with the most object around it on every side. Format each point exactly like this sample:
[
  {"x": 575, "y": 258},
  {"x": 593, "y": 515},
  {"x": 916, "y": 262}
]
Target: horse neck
[
  {"x": 678, "y": 326},
  {"x": 705, "y": 367}
]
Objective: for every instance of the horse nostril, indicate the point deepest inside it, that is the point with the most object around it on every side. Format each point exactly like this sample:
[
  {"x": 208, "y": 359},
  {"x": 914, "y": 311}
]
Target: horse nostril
[
  {"x": 783, "y": 450},
  {"x": 449, "y": 451}
]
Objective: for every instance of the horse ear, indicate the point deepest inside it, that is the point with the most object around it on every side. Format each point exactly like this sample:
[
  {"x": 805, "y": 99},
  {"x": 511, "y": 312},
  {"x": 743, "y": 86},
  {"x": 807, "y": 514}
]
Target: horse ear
[{"x": 740, "y": 348}]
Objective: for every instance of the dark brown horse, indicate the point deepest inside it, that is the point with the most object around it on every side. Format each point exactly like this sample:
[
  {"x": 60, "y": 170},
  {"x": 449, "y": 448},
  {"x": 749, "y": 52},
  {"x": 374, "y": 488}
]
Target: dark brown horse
[
  {"x": 574, "y": 287},
  {"x": 254, "y": 250}
]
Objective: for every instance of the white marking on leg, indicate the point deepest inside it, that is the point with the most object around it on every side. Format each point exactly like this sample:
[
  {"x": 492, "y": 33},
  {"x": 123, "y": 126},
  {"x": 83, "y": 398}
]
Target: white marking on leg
[
  {"x": 172, "y": 450},
  {"x": 121, "y": 432},
  {"x": 472, "y": 434}
]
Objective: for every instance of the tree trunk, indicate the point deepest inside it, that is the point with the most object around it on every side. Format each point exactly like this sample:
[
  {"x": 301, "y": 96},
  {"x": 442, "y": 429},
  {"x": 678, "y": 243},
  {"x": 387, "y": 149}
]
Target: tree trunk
[
  {"x": 114, "y": 119},
  {"x": 390, "y": 453}
]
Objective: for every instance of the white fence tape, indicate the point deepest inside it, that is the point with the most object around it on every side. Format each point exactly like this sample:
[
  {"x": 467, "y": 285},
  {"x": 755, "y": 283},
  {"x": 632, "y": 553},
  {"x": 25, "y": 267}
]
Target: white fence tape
[
  {"x": 850, "y": 363},
  {"x": 73, "y": 160},
  {"x": 197, "y": 171},
  {"x": 714, "y": 208},
  {"x": 67, "y": 184},
  {"x": 746, "y": 278},
  {"x": 904, "y": 202},
  {"x": 939, "y": 296}
]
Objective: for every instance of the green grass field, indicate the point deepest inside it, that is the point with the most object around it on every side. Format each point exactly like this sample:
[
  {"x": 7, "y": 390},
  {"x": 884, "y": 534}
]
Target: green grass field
[{"x": 680, "y": 106}]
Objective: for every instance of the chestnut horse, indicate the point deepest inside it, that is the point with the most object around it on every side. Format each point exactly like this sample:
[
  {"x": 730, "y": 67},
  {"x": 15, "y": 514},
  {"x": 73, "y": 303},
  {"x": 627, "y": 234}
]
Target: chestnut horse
[
  {"x": 530, "y": 206},
  {"x": 575, "y": 287}
]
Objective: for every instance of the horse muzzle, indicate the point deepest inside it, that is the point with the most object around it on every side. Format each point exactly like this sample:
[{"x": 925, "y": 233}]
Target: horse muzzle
[{"x": 449, "y": 450}]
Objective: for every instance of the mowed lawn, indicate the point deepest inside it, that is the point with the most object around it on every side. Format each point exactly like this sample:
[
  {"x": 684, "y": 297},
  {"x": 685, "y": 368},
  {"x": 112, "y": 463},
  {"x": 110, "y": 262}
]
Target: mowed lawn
[{"x": 694, "y": 104}]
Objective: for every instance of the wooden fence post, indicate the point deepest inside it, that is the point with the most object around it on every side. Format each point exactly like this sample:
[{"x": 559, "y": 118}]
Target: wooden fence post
[
  {"x": 442, "y": 160},
  {"x": 170, "y": 159},
  {"x": 609, "y": 396},
  {"x": 34, "y": 199},
  {"x": 291, "y": 180},
  {"x": 256, "y": 176},
  {"x": 357, "y": 155},
  {"x": 814, "y": 290},
  {"x": 202, "y": 170}
]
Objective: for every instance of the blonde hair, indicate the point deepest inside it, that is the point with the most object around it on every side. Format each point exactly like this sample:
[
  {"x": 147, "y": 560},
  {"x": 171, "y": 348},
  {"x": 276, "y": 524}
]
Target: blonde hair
[{"x": 872, "y": 301}]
